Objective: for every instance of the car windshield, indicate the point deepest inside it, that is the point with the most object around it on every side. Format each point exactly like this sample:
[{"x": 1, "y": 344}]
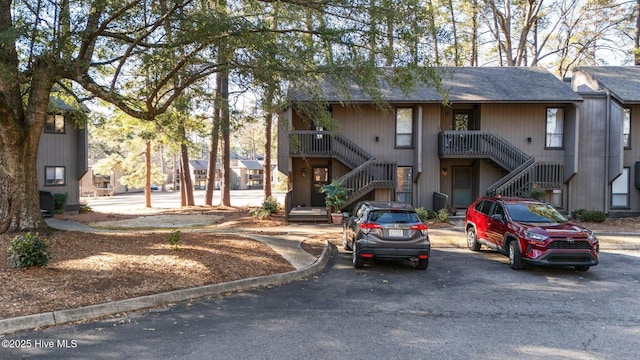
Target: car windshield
[
  {"x": 393, "y": 217},
  {"x": 535, "y": 213}
]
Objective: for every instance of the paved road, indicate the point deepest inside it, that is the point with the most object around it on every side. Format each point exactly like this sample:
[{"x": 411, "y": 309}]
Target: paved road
[
  {"x": 135, "y": 202},
  {"x": 465, "y": 306}
]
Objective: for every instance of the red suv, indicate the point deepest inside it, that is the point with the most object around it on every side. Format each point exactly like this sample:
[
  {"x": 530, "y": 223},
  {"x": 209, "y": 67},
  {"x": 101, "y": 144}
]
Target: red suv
[{"x": 530, "y": 232}]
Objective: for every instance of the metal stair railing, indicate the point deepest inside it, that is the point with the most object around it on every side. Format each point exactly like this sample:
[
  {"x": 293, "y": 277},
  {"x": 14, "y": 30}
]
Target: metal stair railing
[
  {"x": 373, "y": 174},
  {"x": 542, "y": 175},
  {"x": 367, "y": 173}
]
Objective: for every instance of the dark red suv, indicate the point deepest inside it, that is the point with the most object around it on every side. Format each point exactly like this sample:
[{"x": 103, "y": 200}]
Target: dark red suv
[{"x": 530, "y": 232}]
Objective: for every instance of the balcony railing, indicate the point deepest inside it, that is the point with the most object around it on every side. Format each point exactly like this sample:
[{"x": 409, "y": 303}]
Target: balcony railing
[
  {"x": 323, "y": 143},
  {"x": 481, "y": 144}
]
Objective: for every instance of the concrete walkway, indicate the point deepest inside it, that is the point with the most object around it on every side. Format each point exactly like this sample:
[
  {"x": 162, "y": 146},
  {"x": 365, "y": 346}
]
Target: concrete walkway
[{"x": 285, "y": 241}]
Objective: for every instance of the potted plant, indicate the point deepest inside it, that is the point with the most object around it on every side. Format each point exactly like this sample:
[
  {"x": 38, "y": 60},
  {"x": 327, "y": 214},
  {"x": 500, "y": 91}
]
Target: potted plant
[{"x": 335, "y": 196}]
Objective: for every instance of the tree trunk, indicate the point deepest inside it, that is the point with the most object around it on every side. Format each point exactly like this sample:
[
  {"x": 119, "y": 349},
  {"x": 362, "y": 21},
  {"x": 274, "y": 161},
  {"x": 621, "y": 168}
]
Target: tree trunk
[
  {"x": 19, "y": 139},
  {"x": 20, "y": 200},
  {"x": 187, "y": 184},
  {"x": 213, "y": 152},
  {"x": 266, "y": 180},
  {"x": 636, "y": 38},
  {"x": 225, "y": 166},
  {"x": 147, "y": 183}
]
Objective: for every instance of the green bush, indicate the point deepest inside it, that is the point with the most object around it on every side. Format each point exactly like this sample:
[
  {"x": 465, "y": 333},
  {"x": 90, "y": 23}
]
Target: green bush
[
  {"x": 593, "y": 216},
  {"x": 425, "y": 214},
  {"x": 174, "y": 239},
  {"x": 28, "y": 250},
  {"x": 269, "y": 207},
  {"x": 260, "y": 213},
  {"x": 537, "y": 193},
  {"x": 85, "y": 208},
  {"x": 588, "y": 215},
  {"x": 422, "y": 214},
  {"x": 577, "y": 214},
  {"x": 270, "y": 204},
  {"x": 443, "y": 215},
  {"x": 59, "y": 203}
]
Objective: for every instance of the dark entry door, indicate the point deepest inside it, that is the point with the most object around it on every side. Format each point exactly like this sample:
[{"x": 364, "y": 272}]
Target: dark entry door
[
  {"x": 464, "y": 120},
  {"x": 462, "y": 186},
  {"x": 320, "y": 177}
]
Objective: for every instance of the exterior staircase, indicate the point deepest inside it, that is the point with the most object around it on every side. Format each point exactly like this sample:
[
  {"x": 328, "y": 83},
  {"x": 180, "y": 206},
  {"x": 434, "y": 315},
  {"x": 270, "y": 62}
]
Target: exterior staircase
[
  {"x": 523, "y": 172},
  {"x": 367, "y": 173}
]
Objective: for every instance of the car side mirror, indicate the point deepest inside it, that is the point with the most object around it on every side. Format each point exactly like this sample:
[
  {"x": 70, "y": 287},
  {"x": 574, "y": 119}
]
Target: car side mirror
[{"x": 497, "y": 217}]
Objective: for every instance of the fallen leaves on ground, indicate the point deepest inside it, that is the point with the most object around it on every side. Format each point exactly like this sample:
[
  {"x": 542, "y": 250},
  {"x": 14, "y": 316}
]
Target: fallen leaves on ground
[{"x": 93, "y": 268}]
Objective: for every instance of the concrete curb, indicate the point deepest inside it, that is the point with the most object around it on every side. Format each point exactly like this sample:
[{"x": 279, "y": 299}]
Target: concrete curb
[{"x": 60, "y": 317}]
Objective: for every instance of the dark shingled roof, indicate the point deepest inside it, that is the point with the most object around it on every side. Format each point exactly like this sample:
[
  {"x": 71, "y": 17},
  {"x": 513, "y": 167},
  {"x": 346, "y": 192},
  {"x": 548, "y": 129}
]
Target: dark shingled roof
[
  {"x": 199, "y": 164},
  {"x": 622, "y": 81},
  {"x": 251, "y": 164},
  {"x": 469, "y": 85}
]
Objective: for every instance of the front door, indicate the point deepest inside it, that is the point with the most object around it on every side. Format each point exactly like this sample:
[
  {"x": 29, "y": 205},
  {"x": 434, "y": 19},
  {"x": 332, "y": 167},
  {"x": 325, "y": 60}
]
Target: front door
[
  {"x": 462, "y": 177},
  {"x": 464, "y": 120},
  {"x": 320, "y": 177}
]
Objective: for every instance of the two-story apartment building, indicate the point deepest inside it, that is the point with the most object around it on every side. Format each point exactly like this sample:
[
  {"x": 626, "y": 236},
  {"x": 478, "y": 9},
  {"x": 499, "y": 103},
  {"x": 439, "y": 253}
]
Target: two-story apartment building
[
  {"x": 62, "y": 154},
  {"x": 504, "y": 130}
]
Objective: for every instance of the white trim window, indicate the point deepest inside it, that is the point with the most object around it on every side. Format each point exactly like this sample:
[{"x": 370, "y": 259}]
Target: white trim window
[
  {"x": 626, "y": 128},
  {"x": 555, "y": 128},
  {"x": 404, "y": 128},
  {"x": 54, "y": 175},
  {"x": 620, "y": 190},
  {"x": 54, "y": 124}
]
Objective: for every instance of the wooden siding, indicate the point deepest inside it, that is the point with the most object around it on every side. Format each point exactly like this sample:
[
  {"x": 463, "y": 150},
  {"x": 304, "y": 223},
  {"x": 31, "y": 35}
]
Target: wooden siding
[
  {"x": 284, "y": 125},
  {"x": 516, "y": 123},
  {"x": 631, "y": 156},
  {"x": 588, "y": 188},
  {"x": 68, "y": 150}
]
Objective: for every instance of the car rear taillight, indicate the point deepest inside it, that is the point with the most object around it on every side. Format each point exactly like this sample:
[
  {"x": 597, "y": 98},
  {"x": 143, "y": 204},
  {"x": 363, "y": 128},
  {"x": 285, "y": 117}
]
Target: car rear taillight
[
  {"x": 366, "y": 227},
  {"x": 422, "y": 227}
]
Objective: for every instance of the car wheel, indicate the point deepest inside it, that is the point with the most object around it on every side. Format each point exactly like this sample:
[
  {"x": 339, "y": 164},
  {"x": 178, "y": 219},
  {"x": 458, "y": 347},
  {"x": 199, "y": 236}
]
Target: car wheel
[
  {"x": 422, "y": 264},
  {"x": 358, "y": 262},
  {"x": 472, "y": 240},
  {"x": 582, "y": 268},
  {"x": 515, "y": 256},
  {"x": 345, "y": 243}
]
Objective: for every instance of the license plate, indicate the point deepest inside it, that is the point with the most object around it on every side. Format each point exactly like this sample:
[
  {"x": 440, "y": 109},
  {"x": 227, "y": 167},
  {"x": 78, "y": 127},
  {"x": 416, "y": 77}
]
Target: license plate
[{"x": 396, "y": 232}]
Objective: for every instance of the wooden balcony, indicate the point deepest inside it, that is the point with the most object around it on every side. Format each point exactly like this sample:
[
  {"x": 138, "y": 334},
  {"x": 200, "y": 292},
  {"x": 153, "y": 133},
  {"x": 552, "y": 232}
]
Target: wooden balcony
[
  {"x": 367, "y": 173},
  {"x": 524, "y": 173},
  {"x": 481, "y": 144},
  {"x": 326, "y": 144}
]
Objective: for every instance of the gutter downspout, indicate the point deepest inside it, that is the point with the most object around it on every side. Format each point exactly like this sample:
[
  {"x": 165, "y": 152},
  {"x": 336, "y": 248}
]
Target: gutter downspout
[
  {"x": 607, "y": 152},
  {"x": 418, "y": 158}
]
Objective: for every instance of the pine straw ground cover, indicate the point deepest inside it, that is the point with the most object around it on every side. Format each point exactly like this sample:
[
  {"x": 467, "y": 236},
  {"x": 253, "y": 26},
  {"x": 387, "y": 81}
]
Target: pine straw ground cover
[{"x": 92, "y": 268}]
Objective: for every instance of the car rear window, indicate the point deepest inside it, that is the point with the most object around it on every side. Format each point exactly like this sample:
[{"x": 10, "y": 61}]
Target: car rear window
[
  {"x": 485, "y": 207},
  {"x": 393, "y": 217}
]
